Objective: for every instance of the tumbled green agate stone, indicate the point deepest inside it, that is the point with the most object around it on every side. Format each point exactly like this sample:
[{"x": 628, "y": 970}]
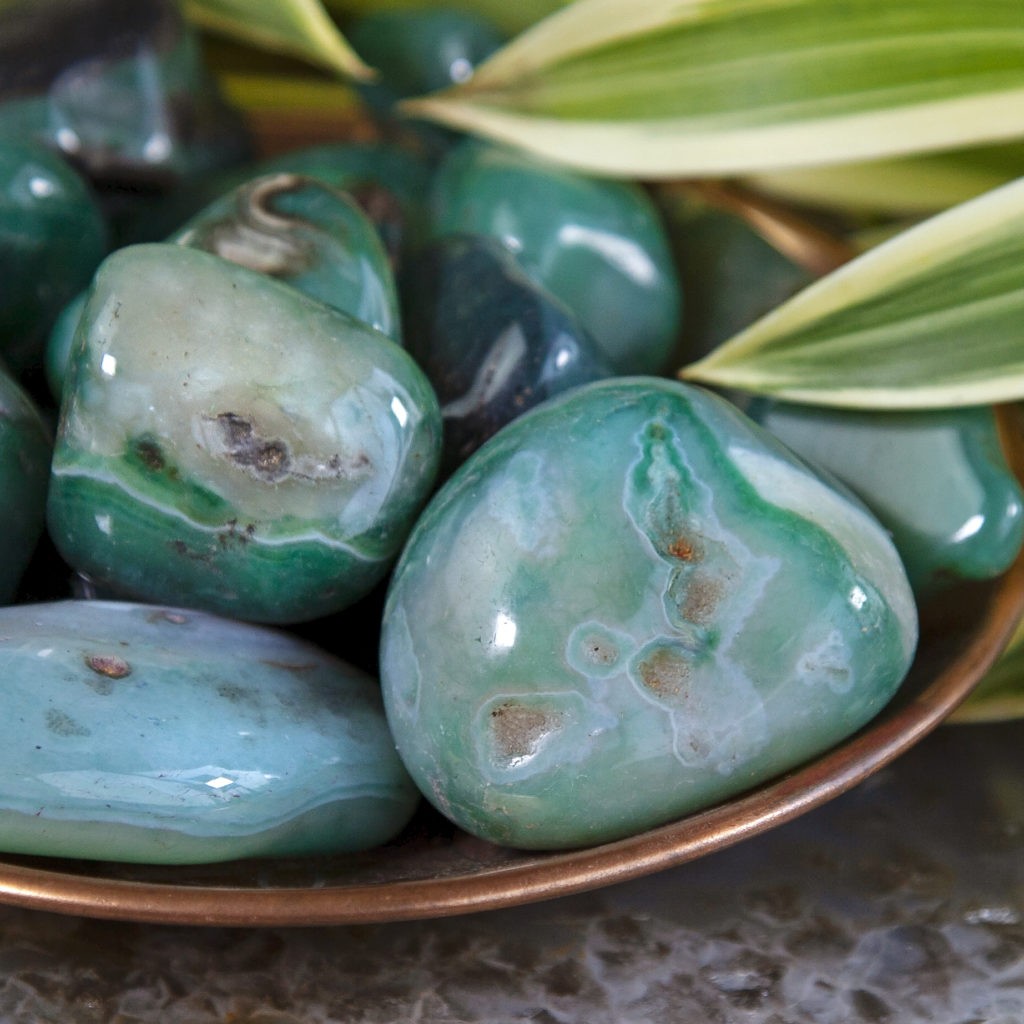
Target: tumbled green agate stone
[
  {"x": 228, "y": 443},
  {"x": 596, "y": 245},
  {"x": 25, "y": 450},
  {"x": 150, "y": 734},
  {"x": 52, "y": 238},
  {"x": 937, "y": 480},
  {"x": 306, "y": 234},
  {"x": 629, "y": 604}
]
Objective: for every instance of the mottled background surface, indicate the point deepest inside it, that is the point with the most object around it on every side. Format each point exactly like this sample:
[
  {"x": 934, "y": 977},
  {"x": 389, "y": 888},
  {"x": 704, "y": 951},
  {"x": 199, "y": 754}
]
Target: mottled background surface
[{"x": 902, "y": 901}]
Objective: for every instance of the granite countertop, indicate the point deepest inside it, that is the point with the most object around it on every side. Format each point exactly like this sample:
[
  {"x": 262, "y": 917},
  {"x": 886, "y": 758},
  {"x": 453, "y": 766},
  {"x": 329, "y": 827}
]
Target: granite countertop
[{"x": 902, "y": 901}]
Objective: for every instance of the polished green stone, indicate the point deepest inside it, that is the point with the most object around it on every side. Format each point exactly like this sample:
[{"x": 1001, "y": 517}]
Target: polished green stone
[
  {"x": 308, "y": 235},
  {"x": 389, "y": 181},
  {"x": 52, "y": 238},
  {"x": 228, "y": 443},
  {"x": 416, "y": 52},
  {"x": 26, "y": 446},
  {"x": 628, "y": 605},
  {"x": 160, "y": 735},
  {"x": 296, "y": 229},
  {"x": 937, "y": 480},
  {"x": 599, "y": 246}
]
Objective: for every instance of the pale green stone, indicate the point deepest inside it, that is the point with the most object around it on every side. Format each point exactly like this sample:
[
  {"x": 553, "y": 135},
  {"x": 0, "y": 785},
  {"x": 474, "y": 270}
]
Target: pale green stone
[
  {"x": 628, "y": 605},
  {"x": 231, "y": 444},
  {"x": 152, "y": 734}
]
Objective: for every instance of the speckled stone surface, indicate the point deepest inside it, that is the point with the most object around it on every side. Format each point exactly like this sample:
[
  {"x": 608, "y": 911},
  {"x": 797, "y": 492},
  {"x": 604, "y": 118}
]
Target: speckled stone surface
[
  {"x": 230, "y": 444},
  {"x": 902, "y": 901},
  {"x": 630, "y": 603}
]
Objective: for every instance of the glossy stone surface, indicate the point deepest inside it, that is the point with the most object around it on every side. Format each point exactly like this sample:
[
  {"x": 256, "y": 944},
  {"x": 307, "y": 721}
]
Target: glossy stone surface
[
  {"x": 308, "y": 235},
  {"x": 937, "y": 480},
  {"x": 143, "y": 733},
  {"x": 117, "y": 86},
  {"x": 597, "y": 245},
  {"x": 388, "y": 181},
  {"x": 628, "y": 605},
  {"x": 231, "y": 444},
  {"x": 492, "y": 343},
  {"x": 52, "y": 237},
  {"x": 416, "y": 52},
  {"x": 25, "y": 450}
]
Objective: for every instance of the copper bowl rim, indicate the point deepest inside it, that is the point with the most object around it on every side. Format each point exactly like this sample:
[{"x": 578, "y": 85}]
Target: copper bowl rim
[{"x": 547, "y": 876}]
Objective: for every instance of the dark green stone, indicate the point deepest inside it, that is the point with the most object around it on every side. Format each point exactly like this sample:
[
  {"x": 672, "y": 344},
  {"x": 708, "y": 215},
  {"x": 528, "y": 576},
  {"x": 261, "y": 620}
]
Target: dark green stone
[
  {"x": 598, "y": 246},
  {"x": 492, "y": 342},
  {"x": 52, "y": 238},
  {"x": 25, "y": 450}
]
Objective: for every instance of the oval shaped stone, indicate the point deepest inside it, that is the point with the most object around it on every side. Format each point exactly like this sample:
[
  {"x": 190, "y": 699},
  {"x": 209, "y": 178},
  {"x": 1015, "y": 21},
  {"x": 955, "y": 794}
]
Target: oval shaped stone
[
  {"x": 597, "y": 245},
  {"x": 158, "y": 735},
  {"x": 228, "y": 443},
  {"x": 52, "y": 238},
  {"x": 629, "y": 604},
  {"x": 936, "y": 479}
]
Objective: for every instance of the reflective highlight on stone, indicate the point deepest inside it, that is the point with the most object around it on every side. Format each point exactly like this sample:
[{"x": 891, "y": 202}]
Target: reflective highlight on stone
[
  {"x": 25, "y": 450},
  {"x": 229, "y": 443},
  {"x": 597, "y": 245},
  {"x": 492, "y": 343},
  {"x": 159, "y": 735},
  {"x": 630, "y": 604},
  {"x": 52, "y": 238},
  {"x": 306, "y": 234},
  {"x": 937, "y": 480}
]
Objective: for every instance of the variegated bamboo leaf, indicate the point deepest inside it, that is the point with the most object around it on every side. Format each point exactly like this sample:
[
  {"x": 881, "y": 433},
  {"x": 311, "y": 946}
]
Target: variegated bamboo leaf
[
  {"x": 934, "y": 317},
  {"x": 669, "y": 88}
]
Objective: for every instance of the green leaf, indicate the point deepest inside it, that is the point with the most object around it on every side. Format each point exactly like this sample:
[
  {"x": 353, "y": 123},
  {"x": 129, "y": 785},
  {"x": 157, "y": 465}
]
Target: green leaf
[
  {"x": 1000, "y": 694},
  {"x": 299, "y": 28},
  {"x": 509, "y": 17},
  {"x": 908, "y": 186},
  {"x": 934, "y": 317},
  {"x": 670, "y": 88}
]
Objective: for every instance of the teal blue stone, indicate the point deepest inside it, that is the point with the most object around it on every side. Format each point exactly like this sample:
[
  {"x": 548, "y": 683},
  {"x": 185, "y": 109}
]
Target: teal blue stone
[
  {"x": 937, "y": 480},
  {"x": 308, "y": 235},
  {"x": 52, "y": 238},
  {"x": 229, "y": 443},
  {"x": 158, "y": 735},
  {"x": 632, "y": 603},
  {"x": 598, "y": 246},
  {"x": 26, "y": 446}
]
